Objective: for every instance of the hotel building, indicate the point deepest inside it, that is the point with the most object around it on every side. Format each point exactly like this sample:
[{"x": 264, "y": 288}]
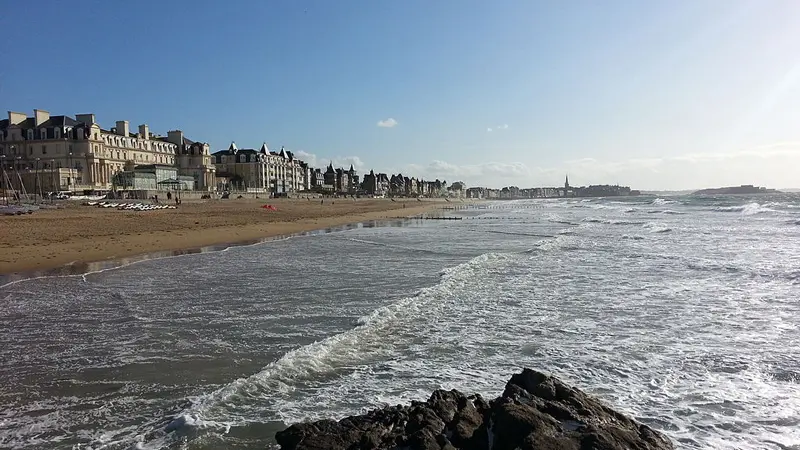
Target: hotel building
[
  {"x": 261, "y": 170},
  {"x": 80, "y": 155}
]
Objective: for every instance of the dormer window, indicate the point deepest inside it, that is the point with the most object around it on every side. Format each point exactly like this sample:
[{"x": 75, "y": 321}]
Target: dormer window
[
  {"x": 242, "y": 158},
  {"x": 42, "y": 134},
  {"x": 30, "y": 135},
  {"x": 57, "y": 133}
]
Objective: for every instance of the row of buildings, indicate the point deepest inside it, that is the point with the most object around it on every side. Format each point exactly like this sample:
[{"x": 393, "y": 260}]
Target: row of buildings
[
  {"x": 514, "y": 192},
  {"x": 47, "y": 153}
]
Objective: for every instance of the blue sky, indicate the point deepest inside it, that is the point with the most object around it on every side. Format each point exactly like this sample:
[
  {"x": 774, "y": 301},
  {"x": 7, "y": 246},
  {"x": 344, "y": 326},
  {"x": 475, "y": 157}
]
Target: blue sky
[{"x": 656, "y": 95}]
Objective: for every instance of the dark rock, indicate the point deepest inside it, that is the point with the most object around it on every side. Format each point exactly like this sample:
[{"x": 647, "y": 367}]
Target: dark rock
[{"x": 536, "y": 411}]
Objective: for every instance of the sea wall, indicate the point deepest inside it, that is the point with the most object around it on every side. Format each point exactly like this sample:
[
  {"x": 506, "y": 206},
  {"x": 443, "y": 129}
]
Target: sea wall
[{"x": 536, "y": 411}]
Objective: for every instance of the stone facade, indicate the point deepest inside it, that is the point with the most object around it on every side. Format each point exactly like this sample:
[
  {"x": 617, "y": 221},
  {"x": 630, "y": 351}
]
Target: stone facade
[
  {"x": 95, "y": 154},
  {"x": 262, "y": 170}
]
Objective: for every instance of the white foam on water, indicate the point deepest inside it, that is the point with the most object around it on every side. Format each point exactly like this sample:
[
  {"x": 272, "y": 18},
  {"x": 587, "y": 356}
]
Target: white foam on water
[
  {"x": 364, "y": 343},
  {"x": 655, "y": 227},
  {"x": 749, "y": 209},
  {"x": 693, "y": 332},
  {"x": 663, "y": 201}
]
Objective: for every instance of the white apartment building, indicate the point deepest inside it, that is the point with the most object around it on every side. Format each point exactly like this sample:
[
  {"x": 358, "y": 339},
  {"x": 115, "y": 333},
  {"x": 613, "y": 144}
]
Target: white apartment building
[
  {"x": 262, "y": 170},
  {"x": 94, "y": 154}
]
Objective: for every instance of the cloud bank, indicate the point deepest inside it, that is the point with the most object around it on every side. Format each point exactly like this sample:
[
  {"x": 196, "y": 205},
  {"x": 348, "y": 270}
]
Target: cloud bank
[
  {"x": 772, "y": 166},
  {"x": 317, "y": 162}
]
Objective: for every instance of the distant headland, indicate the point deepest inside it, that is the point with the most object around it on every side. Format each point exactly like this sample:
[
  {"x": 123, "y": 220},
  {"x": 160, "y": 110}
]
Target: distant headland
[{"x": 743, "y": 189}]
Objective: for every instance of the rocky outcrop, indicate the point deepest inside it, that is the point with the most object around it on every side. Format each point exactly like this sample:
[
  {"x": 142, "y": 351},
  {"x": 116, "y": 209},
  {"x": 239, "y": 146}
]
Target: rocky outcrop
[{"x": 536, "y": 411}]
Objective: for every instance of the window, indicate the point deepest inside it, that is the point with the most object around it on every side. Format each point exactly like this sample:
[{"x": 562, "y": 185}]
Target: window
[
  {"x": 58, "y": 133},
  {"x": 70, "y": 148},
  {"x": 30, "y": 135},
  {"x": 44, "y": 149},
  {"x": 43, "y": 134}
]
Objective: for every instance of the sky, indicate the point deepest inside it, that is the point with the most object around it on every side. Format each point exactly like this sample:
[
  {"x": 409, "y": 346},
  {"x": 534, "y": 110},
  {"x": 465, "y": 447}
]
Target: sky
[{"x": 657, "y": 95}]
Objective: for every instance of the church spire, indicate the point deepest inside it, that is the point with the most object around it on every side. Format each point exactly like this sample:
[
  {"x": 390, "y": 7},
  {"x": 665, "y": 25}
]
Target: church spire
[{"x": 566, "y": 182}]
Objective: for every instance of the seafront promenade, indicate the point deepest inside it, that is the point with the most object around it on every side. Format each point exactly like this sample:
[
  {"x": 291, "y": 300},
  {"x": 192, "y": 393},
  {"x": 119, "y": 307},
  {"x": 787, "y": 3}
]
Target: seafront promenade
[{"x": 77, "y": 233}]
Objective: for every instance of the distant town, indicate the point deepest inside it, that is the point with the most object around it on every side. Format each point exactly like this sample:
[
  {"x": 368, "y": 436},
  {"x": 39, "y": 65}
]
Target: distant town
[
  {"x": 513, "y": 192},
  {"x": 62, "y": 155}
]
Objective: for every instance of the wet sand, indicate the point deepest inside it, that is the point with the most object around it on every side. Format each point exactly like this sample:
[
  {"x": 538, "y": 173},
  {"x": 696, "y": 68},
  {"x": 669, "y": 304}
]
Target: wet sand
[{"x": 77, "y": 234}]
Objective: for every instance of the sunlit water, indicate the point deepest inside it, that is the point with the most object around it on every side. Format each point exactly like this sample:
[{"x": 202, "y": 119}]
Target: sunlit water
[{"x": 682, "y": 312}]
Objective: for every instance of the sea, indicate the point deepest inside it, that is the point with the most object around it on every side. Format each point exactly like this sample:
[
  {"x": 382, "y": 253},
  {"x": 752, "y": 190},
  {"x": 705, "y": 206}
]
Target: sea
[{"x": 682, "y": 312}]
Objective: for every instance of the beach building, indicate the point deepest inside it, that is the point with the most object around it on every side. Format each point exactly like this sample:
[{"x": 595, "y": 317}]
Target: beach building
[
  {"x": 370, "y": 183},
  {"x": 153, "y": 177},
  {"x": 342, "y": 181},
  {"x": 317, "y": 179},
  {"x": 93, "y": 155},
  {"x": 383, "y": 184},
  {"x": 262, "y": 170},
  {"x": 330, "y": 177}
]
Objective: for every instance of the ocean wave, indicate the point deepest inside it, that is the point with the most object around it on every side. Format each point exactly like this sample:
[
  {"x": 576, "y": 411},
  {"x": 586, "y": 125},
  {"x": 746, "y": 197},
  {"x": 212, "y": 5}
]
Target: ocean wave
[
  {"x": 632, "y": 237},
  {"x": 748, "y": 209},
  {"x": 330, "y": 356},
  {"x": 392, "y": 246},
  {"x": 666, "y": 211},
  {"x": 663, "y": 201},
  {"x": 555, "y": 218},
  {"x": 612, "y": 221},
  {"x": 792, "y": 276},
  {"x": 655, "y": 227}
]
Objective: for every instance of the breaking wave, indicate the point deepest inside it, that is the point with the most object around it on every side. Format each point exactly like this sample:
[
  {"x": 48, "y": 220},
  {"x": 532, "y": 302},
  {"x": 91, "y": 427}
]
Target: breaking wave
[
  {"x": 328, "y": 357},
  {"x": 748, "y": 209}
]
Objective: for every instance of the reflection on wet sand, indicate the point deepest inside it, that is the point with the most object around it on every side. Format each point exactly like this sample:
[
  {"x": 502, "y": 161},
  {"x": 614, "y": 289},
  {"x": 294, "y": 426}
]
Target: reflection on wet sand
[{"x": 81, "y": 268}]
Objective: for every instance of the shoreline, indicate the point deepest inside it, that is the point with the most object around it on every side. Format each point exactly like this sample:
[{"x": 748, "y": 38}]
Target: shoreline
[{"x": 194, "y": 228}]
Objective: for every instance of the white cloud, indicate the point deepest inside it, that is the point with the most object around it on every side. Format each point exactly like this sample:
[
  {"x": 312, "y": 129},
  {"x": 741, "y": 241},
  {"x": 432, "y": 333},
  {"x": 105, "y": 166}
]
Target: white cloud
[
  {"x": 499, "y": 127},
  {"x": 489, "y": 129},
  {"x": 318, "y": 162},
  {"x": 388, "y": 123}
]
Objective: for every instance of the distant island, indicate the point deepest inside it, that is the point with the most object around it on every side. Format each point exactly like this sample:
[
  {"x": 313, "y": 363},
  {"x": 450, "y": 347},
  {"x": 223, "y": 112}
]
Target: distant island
[{"x": 743, "y": 189}]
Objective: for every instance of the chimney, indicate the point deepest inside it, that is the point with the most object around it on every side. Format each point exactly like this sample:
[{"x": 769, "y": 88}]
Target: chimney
[
  {"x": 88, "y": 119},
  {"x": 123, "y": 128},
  {"x": 175, "y": 137},
  {"x": 15, "y": 118},
  {"x": 144, "y": 131},
  {"x": 41, "y": 116}
]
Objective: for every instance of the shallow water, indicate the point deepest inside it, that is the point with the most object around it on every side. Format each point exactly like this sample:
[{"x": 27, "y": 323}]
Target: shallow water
[{"x": 680, "y": 311}]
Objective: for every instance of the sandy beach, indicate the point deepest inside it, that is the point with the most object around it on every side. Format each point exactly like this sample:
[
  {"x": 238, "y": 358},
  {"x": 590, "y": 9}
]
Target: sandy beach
[{"x": 53, "y": 238}]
